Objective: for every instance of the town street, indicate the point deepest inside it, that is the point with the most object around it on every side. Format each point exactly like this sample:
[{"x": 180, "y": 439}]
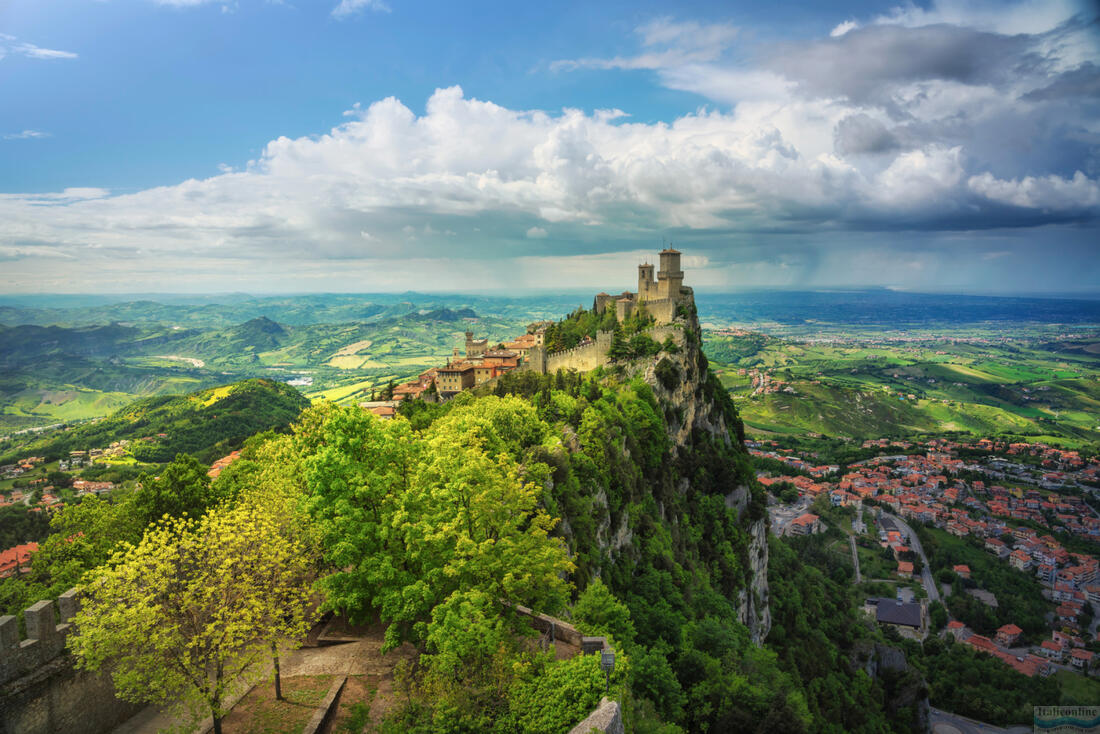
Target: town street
[
  {"x": 914, "y": 542},
  {"x": 948, "y": 723}
]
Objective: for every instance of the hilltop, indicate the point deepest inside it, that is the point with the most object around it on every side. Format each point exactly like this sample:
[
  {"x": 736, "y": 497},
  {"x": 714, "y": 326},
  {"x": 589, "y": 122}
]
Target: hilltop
[{"x": 207, "y": 423}]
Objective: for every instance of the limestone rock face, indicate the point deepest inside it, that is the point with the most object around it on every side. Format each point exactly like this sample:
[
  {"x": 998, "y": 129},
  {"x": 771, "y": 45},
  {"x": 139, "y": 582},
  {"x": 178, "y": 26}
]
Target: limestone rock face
[{"x": 690, "y": 410}]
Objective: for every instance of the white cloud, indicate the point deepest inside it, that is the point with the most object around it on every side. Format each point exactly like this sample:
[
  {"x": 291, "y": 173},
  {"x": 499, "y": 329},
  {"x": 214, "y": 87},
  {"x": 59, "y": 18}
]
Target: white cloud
[
  {"x": 347, "y": 8},
  {"x": 842, "y": 28},
  {"x": 668, "y": 44},
  {"x": 26, "y": 135},
  {"x": 12, "y": 46},
  {"x": 392, "y": 176},
  {"x": 1043, "y": 192}
]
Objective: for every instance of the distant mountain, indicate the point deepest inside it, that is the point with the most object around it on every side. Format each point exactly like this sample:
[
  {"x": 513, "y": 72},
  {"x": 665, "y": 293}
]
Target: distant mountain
[
  {"x": 29, "y": 344},
  {"x": 208, "y": 423},
  {"x": 260, "y": 333},
  {"x": 447, "y": 315}
]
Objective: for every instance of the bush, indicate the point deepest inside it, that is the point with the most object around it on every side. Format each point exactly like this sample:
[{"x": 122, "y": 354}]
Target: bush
[{"x": 668, "y": 374}]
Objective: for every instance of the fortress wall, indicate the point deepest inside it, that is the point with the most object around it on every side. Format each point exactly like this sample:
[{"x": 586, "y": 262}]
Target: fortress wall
[
  {"x": 663, "y": 310},
  {"x": 582, "y": 359},
  {"x": 660, "y": 333},
  {"x": 591, "y": 356},
  {"x": 40, "y": 690}
]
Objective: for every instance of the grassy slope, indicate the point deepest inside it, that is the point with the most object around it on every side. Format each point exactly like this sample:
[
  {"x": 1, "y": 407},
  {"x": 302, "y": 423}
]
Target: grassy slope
[
  {"x": 864, "y": 391},
  {"x": 55, "y": 374},
  {"x": 209, "y": 423}
]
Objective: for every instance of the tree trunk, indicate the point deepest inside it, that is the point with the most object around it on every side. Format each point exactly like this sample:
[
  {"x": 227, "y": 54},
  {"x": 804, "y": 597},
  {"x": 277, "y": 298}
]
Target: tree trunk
[
  {"x": 217, "y": 722},
  {"x": 278, "y": 682}
]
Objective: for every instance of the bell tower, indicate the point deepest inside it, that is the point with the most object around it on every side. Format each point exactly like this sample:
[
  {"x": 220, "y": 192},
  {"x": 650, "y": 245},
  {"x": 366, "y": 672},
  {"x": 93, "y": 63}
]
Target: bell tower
[{"x": 647, "y": 286}]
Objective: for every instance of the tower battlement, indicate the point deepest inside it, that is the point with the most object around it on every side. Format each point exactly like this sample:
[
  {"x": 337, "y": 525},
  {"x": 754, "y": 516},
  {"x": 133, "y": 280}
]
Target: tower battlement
[{"x": 662, "y": 295}]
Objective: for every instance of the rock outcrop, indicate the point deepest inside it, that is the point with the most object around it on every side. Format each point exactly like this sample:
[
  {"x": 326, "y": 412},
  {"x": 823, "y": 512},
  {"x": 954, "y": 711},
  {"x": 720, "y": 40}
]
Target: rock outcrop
[{"x": 681, "y": 382}]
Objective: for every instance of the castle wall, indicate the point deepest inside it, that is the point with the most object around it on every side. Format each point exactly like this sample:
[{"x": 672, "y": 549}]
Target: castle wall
[
  {"x": 40, "y": 690},
  {"x": 663, "y": 310},
  {"x": 591, "y": 356},
  {"x": 582, "y": 359}
]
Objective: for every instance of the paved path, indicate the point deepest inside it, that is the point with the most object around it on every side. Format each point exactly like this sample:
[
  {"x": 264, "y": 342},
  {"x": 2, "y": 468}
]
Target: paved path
[
  {"x": 363, "y": 657},
  {"x": 855, "y": 559},
  {"x": 926, "y": 573}
]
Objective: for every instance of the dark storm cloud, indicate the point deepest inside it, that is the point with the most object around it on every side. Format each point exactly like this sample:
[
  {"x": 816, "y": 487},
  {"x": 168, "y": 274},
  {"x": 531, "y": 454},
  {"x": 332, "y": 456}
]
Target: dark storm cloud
[
  {"x": 866, "y": 64},
  {"x": 861, "y": 133},
  {"x": 1078, "y": 84}
]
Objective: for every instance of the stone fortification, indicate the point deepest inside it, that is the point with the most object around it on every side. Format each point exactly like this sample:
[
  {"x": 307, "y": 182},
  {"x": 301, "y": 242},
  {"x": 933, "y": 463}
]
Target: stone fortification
[
  {"x": 40, "y": 690},
  {"x": 45, "y": 637},
  {"x": 660, "y": 297},
  {"x": 590, "y": 356}
]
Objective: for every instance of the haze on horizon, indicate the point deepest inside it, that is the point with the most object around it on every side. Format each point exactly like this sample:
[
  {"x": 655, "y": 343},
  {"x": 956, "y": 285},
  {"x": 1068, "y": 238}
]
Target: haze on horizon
[{"x": 201, "y": 146}]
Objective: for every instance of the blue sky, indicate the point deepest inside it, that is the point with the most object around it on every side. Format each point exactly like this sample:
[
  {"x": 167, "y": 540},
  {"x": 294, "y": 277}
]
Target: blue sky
[{"x": 330, "y": 145}]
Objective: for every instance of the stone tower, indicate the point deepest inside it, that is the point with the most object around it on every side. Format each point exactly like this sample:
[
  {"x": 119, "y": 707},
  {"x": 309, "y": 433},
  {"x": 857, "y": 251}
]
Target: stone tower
[
  {"x": 669, "y": 278},
  {"x": 647, "y": 286}
]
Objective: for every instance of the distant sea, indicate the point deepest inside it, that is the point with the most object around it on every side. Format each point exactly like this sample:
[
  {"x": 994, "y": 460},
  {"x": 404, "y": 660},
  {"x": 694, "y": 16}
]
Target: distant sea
[
  {"x": 870, "y": 307},
  {"x": 890, "y": 308}
]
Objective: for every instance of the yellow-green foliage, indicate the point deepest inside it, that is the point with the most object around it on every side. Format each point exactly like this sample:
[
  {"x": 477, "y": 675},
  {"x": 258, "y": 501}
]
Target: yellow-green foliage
[{"x": 192, "y": 606}]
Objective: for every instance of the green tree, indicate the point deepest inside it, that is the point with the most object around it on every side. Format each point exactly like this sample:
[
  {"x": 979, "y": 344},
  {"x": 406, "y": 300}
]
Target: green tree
[
  {"x": 425, "y": 529},
  {"x": 192, "y": 607},
  {"x": 598, "y": 611},
  {"x": 183, "y": 488},
  {"x": 60, "y": 479}
]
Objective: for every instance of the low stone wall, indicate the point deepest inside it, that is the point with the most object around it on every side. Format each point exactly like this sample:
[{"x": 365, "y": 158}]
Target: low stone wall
[
  {"x": 558, "y": 629},
  {"x": 40, "y": 690},
  {"x": 608, "y": 717}
]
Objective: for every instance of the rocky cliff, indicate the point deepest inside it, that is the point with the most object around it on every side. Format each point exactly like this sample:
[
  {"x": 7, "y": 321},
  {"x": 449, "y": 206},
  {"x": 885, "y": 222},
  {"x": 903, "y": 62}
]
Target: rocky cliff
[{"x": 697, "y": 407}]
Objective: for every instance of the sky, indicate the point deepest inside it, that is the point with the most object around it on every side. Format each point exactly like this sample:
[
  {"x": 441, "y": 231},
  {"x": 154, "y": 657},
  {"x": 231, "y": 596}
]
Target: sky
[{"x": 267, "y": 146}]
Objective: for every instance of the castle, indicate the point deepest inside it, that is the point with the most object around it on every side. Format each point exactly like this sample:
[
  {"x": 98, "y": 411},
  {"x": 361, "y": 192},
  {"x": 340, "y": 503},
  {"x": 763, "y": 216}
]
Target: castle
[{"x": 661, "y": 296}]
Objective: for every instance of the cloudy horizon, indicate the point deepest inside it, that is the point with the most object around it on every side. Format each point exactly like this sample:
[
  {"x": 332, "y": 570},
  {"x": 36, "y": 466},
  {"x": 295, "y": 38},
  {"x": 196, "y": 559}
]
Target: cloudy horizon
[{"x": 943, "y": 148}]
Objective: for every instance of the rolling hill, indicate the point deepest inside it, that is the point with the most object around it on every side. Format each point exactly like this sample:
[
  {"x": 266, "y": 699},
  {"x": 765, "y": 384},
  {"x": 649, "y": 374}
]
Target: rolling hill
[{"x": 208, "y": 423}]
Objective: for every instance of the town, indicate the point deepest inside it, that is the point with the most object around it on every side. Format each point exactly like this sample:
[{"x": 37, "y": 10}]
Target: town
[{"x": 1025, "y": 505}]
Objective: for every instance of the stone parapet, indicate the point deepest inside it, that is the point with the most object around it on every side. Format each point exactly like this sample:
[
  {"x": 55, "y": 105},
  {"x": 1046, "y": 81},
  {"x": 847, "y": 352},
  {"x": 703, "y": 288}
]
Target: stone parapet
[{"x": 47, "y": 627}]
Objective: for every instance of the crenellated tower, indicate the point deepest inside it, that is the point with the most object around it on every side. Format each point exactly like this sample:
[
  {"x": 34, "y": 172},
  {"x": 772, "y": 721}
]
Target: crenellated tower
[{"x": 670, "y": 278}]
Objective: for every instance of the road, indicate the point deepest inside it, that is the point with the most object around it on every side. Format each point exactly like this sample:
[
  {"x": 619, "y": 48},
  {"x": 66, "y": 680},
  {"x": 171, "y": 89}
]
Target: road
[
  {"x": 855, "y": 558},
  {"x": 948, "y": 723},
  {"x": 926, "y": 573}
]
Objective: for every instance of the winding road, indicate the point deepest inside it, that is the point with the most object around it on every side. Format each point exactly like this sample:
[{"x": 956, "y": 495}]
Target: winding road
[{"x": 926, "y": 572}]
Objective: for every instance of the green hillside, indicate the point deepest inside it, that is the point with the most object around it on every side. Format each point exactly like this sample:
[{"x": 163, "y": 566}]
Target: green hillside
[
  {"x": 56, "y": 374},
  {"x": 207, "y": 423},
  {"x": 867, "y": 387}
]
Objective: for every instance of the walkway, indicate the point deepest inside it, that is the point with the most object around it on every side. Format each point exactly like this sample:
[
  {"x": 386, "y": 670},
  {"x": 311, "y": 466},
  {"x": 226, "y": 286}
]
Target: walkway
[
  {"x": 361, "y": 657},
  {"x": 926, "y": 572},
  {"x": 855, "y": 558}
]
